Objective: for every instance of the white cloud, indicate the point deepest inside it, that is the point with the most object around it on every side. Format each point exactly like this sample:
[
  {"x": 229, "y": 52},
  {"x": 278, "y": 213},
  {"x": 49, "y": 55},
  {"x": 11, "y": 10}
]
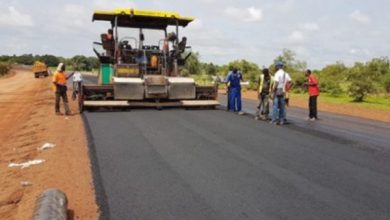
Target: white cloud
[
  {"x": 12, "y": 17},
  {"x": 360, "y": 17},
  {"x": 310, "y": 26},
  {"x": 360, "y": 52},
  {"x": 250, "y": 14},
  {"x": 296, "y": 37}
]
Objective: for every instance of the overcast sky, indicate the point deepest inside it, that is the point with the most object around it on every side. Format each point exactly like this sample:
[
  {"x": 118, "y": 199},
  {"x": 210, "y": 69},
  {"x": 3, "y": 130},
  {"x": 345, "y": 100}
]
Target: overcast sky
[{"x": 320, "y": 32}]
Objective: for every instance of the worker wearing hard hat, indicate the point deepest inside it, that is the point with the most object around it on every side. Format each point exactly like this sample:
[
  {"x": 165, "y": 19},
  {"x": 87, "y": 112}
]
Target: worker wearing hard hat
[
  {"x": 233, "y": 80},
  {"x": 60, "y": 88}
]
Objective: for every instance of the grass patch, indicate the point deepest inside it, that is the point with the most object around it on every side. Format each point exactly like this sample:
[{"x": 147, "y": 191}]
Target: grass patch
[{"x": 372, "y": 102}]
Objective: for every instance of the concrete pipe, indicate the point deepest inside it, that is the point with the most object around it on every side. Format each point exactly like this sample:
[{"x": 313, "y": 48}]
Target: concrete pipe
[{"x": 51, "y": 205}]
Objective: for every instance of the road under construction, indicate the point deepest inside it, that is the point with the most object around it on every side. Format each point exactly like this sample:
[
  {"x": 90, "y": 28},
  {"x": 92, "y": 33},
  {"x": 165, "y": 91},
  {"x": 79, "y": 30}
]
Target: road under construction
[
  {"x": 184, "y": 164},
  {"x": 212, "y": 164}
]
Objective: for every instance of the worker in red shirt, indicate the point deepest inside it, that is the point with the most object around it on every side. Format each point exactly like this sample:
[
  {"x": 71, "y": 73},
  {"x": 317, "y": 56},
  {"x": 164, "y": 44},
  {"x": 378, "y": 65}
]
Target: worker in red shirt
[{"x": 314, "y": 92}]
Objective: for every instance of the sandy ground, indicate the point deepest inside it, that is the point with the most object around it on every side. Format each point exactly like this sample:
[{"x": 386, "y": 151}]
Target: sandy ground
[
  {"x": 346, "y": 109},
  {"x": 27, "y": 121}
]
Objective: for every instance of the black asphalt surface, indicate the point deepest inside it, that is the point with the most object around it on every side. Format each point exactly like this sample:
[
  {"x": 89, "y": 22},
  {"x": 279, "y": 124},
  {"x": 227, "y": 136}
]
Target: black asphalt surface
[
  {"x": 211, "y": 164},
  {"x": 368, "y": 132}
]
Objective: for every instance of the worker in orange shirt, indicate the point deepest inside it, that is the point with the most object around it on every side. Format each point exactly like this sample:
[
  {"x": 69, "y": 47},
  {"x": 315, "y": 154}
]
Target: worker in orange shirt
[{"x": 60, "y": 88}]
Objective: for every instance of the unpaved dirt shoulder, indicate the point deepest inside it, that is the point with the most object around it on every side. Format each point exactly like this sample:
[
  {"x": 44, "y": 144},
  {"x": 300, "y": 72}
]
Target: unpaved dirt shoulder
[{"x": 27, "y": 122}]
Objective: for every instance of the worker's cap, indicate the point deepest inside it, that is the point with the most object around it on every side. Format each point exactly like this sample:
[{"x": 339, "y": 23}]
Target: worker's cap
[
  {"x": 61, "y": 67},
  {"x": 279, "y": 64}
]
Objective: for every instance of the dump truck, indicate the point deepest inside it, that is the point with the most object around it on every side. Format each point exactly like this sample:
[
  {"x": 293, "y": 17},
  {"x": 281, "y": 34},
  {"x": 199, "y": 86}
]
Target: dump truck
[
  {"x": 135, "y": 73},
  {"x": 40, "y": 69}
]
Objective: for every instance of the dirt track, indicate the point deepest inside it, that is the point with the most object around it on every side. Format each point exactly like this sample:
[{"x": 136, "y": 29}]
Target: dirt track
[{"x": 27, "y": 122}]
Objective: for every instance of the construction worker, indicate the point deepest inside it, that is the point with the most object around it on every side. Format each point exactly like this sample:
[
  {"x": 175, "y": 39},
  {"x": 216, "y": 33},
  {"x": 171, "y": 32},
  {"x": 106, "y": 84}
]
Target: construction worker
[
  {"x": 264, "y": 92},
  {"x": 60, "y": 88},
  {"x": 76, "y": 82},
  {"x": 233, "y": 80},
  {"x": 110, "y": 35},
  {"x": 314, "y": 92},
  {"x": 281, "y": 80}
]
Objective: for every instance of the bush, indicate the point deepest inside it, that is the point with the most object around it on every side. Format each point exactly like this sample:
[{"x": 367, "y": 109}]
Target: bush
[
  {"x": 4, "y": 68},
  {"x": 203, "y": 79},
  {"x": 331, "y": 87},
  {"x": 387, "y": 84},
  {"x": 361, "y": 82}
]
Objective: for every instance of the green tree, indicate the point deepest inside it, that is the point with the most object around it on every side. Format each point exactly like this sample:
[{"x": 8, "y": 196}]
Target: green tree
[
  {"x": 25, "y": 59},
  {"x": 50, "y": 60},
  {"x": 332, "y": 78},
  {"x": 361, "y": 82},
  {"x": 379, "y": 69},
  {"x": 192, "y": 66},
  {"x": 93, "y": 62},
  {"x": 210, "y": 69},
  {"x": 386, "y": 84},
  {"x": 80, "y": 62}
]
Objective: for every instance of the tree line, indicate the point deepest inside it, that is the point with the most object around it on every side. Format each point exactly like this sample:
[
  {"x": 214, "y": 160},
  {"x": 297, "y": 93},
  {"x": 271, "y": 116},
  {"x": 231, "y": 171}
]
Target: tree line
[
  {"x": 78, "y": 62},
  {"x": 357, "y": 81}
]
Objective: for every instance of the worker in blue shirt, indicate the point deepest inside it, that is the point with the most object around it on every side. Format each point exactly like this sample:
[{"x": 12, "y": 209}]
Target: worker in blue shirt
[{"x": 233, "y": 80}]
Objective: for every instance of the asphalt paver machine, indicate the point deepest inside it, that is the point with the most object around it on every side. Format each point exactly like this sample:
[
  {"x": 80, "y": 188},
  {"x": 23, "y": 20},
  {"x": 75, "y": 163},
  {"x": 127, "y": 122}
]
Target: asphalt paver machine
[{"x": 136, "y": 74}]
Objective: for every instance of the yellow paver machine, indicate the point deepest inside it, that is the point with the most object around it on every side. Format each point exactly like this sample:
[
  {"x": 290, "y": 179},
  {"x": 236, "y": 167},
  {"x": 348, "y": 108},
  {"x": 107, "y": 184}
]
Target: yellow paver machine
[{"x": 134, "y": 73}]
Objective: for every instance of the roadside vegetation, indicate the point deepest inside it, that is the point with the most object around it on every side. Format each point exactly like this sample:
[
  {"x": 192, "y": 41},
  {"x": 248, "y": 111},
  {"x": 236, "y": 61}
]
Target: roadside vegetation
[
  {"x": 78, "y": 62},
  {"x": 4, "y": 68},
  {"x": 367, "y": 83}
]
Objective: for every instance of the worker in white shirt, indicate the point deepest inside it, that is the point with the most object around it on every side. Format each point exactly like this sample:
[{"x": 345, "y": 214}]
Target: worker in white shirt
[{"x": 76, "y": 79}]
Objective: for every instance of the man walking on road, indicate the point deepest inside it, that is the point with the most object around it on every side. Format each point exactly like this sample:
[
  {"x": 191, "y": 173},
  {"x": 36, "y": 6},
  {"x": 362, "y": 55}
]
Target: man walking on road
[
  {"x": 281, "y": 80},
  {"x": 233, "y": 80},
  {"x": 60, "y": 88},
  {"x": 264, "y": 92},
  {"x": 314, "y": 92}
]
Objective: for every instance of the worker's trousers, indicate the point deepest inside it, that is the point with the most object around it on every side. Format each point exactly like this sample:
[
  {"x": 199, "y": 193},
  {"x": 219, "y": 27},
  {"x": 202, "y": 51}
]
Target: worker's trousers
[
  {"x": 235, "y": 99},
  {"x": 263, "y": 107},
  {"x": 313, "y": 107},
  {"x": 64, "y": 97},
  {"x": 278, "y": 110}
]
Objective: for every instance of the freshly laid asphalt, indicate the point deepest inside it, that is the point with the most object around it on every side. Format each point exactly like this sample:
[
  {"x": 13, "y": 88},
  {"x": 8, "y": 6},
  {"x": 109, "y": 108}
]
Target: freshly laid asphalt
[{"x": 211, "y": 164}]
